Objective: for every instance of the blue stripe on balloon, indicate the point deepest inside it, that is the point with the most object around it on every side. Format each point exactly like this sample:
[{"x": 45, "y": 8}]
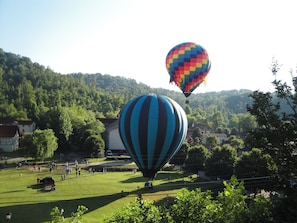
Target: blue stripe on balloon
[
  {"x": 122, "y": 125},
  {"x": 124, "y": 137},
  {"x": 171, "y": 125},
  {"x": 134, "y": 129},
  {"x": 182, "y": 127},
  {"x": 152, "y": 130}
]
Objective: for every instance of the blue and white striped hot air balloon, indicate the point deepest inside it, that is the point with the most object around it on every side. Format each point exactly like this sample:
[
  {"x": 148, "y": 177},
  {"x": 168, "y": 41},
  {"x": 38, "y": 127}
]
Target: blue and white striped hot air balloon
[{"x": 152, "y": 128}]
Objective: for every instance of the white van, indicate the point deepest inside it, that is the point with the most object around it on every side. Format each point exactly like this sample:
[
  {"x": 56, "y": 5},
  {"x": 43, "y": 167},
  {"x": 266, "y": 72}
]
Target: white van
[{"x": 108, "y": 153}]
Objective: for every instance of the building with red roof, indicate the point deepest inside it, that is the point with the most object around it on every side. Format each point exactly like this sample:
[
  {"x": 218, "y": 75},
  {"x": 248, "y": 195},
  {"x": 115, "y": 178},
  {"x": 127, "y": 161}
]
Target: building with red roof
[{"x": 9, "y": 138}]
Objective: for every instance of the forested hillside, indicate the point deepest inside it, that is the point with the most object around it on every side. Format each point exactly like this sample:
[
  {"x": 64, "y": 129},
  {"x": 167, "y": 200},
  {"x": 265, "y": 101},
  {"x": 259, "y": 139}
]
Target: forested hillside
[
  {"x": 25, "y": 85},
  {"x": 29, "y": 89}
]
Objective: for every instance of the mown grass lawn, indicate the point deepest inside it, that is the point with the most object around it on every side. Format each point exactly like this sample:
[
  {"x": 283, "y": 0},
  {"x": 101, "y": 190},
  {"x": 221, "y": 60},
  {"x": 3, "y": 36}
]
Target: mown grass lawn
[{"x": 102, "y": 193}]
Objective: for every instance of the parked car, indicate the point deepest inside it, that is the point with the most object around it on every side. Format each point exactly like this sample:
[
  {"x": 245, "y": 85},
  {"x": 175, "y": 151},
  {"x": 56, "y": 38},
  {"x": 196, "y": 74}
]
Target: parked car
[{"x": 109, "y": 153}]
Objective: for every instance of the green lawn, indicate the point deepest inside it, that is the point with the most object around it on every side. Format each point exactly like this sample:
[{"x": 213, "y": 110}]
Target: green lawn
[{"x": 100, "y": 192}]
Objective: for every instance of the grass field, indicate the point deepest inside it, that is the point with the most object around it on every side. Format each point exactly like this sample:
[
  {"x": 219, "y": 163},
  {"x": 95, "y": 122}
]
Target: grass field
[{"x": 102, "y": 193}]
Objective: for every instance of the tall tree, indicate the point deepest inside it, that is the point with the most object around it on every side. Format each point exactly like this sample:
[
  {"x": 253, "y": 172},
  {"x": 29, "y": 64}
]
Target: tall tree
[
  {"x": 211, "y": 142},
  {"x": 194, "y": 137},
  {"x": 254, "y": 163},
  {"x": 277, "y": 126},
  {"x": 94, "y": 145},
  {"x": 221, "y": 162},
  {"x": 40, "y": 144},
  {"x": 234, "y": 141},
  {"x": 180, "y": 157},
  {"x": 60, "y": 122},
  {"x": 276, "y": 134},
  {"x": 217, "y": 120},
  {"x": 196, "y": 158},
  {"x": 140, "y": 211}
]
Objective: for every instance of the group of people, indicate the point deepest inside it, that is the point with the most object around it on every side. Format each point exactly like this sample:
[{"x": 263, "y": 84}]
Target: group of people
[{"x": 68, "y": 170}]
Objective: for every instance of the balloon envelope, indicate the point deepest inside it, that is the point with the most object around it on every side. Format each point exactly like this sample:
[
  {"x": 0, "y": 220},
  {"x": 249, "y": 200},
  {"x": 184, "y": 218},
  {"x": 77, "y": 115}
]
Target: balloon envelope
[
  {"x": 188, "y": 65},
  {"x": 152, "y": 128}
]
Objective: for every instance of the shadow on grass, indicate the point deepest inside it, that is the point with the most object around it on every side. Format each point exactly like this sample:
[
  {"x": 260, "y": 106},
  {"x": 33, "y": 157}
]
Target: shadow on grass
[
  {"x": 11, "y": 191},
  {"x": 36, "y": 186},
  {"x": 166, "y": 175},
  {"x": 41, "y": 212},
  {"x": 174, "y": 181}
]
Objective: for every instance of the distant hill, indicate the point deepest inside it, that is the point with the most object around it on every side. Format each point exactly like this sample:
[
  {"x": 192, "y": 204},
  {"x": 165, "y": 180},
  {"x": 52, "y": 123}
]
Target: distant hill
[
  {"x": 25, "y": 86},
  {"x": 235, "y": 100}
]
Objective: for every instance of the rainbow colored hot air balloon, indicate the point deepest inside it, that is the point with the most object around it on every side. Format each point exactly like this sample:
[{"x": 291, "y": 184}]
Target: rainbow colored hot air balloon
[
  {"x": 188, "y": 65},
  {"x": 152, "y": 128}
]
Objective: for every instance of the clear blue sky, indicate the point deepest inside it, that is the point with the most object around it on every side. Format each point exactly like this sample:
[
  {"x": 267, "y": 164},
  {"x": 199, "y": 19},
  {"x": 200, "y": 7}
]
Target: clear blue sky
[{"x": 131, "y": 38}]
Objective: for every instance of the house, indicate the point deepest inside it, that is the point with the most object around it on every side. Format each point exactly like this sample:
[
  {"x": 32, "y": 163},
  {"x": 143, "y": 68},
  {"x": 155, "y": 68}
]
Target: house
[
  {"x": 206, "y": 131},
  {"x": 204, "y": 128},
  {"x": 114, "y": 141},
  {"x": 10, "y": 132},
  {"x": 222, "y": 137},
  {"x": 9, "y": 138},
  {"x": 26, "y": 126}
]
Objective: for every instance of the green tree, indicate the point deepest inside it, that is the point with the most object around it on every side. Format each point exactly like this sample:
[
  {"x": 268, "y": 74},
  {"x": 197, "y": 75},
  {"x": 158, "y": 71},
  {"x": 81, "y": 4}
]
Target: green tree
[
  {"x": 193, "y": 206},
  {"x": 243, "y": 123},
  {"x": 9, "y": 111},
  {"x": 277, "y": 123},
  {"x": 246, "y": 123},
  {"x": 57, "y": 215},
  {"x": 232, "y": 207},
  {"x": 254, "y": 163},
  {"x": 28, "y": 100},
  {"x": 217, "y": 120},
  {"x": 140, "y": 211},
  {"x": 80, "y": 119},
  {"x": 211, "y": 141},
  {"x": 78, "y": 214},
  {"x": 94, "y": 145},
  {"x": 59, "y": 120},
  {"x": 194, "y": 137},
  {"x": 221, "y": 162},
  {"x": 180, "y": 157},
  {"x": 90, "y": 138},
  {"x": 188, "y": 109},
  {"x": 40, "y": 144},
  {"x": 234, "y": 141},
  {"x": 196, "y": 158},
  {"x": 276, "y": 116}
]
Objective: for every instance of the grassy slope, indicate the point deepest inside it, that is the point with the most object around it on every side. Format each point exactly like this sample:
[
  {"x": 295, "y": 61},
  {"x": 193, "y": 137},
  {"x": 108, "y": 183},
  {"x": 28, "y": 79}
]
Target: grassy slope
[{"x": 99, "y": 192}]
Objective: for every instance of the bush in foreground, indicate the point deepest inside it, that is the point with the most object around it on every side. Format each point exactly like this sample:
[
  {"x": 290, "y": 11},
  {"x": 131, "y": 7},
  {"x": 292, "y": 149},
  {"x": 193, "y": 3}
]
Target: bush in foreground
[{"x": 231, "y": 206}]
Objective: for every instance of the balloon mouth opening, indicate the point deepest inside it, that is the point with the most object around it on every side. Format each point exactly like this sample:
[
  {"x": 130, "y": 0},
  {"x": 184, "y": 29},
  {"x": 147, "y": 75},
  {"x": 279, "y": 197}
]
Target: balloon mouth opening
[
  {"x": 187, "y": 94},
  {"x": 150, "y": 174}
]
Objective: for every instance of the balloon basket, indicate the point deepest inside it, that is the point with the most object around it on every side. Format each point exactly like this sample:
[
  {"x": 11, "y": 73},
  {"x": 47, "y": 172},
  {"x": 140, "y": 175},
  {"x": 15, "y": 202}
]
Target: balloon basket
[{"x": 148, "y": 185}]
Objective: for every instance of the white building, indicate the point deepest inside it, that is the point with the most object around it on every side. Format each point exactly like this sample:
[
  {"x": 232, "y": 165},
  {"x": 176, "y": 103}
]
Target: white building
[
  {"x": 114, "y": 139},
  {"x": 9, "y": 138}
]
